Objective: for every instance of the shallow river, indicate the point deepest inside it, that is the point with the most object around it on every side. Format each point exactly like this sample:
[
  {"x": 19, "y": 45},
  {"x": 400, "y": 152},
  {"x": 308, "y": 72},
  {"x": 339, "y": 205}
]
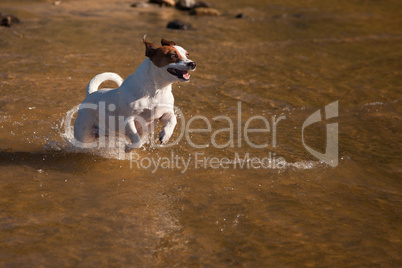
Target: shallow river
[{"x": 214, "y": 198}]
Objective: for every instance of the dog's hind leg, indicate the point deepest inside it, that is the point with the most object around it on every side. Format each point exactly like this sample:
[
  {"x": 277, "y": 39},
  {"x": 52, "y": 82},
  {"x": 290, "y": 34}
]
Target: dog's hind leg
[{"x": 85, "y": 134}]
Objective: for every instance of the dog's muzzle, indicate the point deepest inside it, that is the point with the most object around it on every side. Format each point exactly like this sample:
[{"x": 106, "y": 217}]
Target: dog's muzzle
[
  {"x": 192, "y": 65},
  {"x": 183, "y": 74}
]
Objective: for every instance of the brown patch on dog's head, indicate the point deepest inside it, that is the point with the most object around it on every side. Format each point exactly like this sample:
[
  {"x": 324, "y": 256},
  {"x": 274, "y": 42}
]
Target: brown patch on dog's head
[
  {"x": 165, "y": 42},
  {"x": 164, "y": 55},
  {"x": 149, "y": 47}
]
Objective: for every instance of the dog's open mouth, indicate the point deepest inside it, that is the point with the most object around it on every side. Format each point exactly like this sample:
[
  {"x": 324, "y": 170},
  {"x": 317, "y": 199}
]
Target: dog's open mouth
[{"x": 179, "y": 73}]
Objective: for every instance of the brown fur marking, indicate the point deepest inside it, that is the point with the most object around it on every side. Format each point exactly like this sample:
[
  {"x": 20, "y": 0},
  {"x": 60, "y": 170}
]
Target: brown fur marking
[
  {"x": 164, "y": 55},
  {"x": 165, "y": 42}
]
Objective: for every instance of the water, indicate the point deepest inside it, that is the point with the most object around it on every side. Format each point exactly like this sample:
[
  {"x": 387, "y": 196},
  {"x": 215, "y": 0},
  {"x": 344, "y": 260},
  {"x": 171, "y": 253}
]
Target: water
[{"x": 60, "y": 205}]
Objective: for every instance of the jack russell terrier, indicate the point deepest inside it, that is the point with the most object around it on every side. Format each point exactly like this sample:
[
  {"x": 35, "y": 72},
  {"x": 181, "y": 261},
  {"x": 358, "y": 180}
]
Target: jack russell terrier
[{"x": 139, "y": 101}]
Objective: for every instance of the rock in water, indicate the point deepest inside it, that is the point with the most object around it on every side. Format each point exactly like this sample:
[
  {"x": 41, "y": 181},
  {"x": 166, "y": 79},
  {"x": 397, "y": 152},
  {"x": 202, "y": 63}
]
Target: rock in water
[
  {"x": 140, "y": 4},
  {"x": 179, "y": 25},
  {"x": 190, "y": 4},
  {"x": 205, "y": 11},
  {"x": 240, "y": 16},
  {"x": 8, "y": 20},
  {"x": 168, "y": 3},
  {"x": 185, "y": 4},
  {"x": 201, "y": 4}
]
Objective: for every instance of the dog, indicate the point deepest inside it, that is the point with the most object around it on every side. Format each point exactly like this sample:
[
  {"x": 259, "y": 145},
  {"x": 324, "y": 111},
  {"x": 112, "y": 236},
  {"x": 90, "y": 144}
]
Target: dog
[{"x": 139, "y": 101}]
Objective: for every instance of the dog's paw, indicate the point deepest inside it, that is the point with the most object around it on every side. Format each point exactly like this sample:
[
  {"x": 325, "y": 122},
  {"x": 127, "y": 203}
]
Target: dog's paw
[
  {"x": 164, "y": 136},
  {"x": 129, "y": 147}
]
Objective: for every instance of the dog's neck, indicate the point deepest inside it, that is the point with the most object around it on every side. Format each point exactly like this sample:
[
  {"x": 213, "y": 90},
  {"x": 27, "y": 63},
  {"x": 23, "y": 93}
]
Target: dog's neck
[{"x": 149, "y": 79}]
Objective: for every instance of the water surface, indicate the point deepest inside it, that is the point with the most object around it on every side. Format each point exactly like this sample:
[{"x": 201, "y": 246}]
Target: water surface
[{"x": 287, "y": 58}]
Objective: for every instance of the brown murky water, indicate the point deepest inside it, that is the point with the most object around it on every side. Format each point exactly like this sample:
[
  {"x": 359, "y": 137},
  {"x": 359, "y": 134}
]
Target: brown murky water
[{"x": 287, "y": 58}]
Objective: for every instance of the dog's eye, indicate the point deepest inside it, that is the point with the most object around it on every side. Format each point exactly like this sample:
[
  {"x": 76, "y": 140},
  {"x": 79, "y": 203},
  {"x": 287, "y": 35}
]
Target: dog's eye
[
  {"x": 174, "y": 56},
  {"x": 187, "y": 54}
]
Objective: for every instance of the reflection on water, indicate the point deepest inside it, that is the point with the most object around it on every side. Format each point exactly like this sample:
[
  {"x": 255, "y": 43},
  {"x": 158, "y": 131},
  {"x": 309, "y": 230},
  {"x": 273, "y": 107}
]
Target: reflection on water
[{"x": 285, "y": 59}]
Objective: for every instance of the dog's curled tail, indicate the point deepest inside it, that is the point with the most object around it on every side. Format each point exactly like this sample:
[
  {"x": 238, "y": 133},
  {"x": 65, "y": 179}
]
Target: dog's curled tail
[{"x": 94, "y": 84}]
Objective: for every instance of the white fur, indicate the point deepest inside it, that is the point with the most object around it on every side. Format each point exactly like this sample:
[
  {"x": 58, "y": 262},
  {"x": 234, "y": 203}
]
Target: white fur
[
  {"x": 182, "y": 52},
  {"x": 144, "y": 97}
]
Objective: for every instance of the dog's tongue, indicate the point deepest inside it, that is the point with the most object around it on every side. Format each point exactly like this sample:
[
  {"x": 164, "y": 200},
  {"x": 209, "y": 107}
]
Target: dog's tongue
[{"x": 186, "y": 75}]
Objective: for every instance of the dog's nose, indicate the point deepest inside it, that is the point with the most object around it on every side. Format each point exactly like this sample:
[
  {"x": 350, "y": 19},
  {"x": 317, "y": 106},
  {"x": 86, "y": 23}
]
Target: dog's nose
[{"x": 191, "y": 65}]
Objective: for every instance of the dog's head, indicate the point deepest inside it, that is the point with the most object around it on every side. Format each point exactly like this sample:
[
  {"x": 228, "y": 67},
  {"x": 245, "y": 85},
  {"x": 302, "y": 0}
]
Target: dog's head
[{"x": 171, "y": 59}]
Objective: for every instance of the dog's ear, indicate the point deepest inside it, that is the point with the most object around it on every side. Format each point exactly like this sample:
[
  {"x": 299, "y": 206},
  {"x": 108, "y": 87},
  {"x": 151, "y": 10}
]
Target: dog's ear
[
  {"x": 150, "y": 48},
  {"x": 167, "y": 43}
]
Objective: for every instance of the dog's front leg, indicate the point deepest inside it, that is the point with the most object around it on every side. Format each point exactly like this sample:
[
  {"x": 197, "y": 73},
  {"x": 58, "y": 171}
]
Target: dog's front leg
[
  {"x": 132, "y": 134},
  {"x": 170, "y": 121}
]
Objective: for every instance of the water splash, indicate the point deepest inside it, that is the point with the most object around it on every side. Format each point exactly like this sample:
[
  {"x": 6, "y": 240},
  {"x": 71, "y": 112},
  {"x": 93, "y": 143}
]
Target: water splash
[{"x": 113, "y": 148}]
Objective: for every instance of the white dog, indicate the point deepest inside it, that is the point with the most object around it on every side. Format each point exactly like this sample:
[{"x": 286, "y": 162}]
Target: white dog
[{"x": 139, "y": 101}]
